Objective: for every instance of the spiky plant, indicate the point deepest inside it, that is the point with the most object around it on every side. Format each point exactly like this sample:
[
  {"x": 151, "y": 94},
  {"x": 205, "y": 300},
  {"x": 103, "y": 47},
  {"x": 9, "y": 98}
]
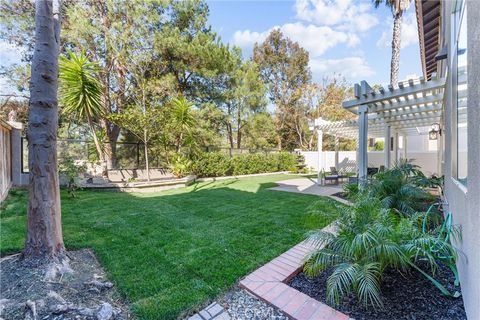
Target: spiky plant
[
  {"x": 369, "y": 239},
  {"x": 80, "y": 92}
]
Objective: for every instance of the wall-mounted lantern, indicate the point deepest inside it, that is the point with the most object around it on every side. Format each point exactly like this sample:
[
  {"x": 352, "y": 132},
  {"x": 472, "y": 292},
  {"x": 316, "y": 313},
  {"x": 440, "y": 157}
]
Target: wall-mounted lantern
[{"x": 434, "y": 132}]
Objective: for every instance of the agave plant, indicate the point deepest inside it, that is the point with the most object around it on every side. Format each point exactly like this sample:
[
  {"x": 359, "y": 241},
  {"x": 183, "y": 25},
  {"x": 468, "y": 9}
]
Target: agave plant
[{"x": 370, "y": 239}]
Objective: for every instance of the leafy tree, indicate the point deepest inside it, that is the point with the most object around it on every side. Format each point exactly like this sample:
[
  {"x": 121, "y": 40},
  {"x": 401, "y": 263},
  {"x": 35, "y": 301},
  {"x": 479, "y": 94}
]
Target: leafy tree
[
  {"x": 398, "y": 7},
  {"x": 284, "y": 67},
  {"x": 44, "y": 240},
  {"x": 80, "y": 94},
  {"x": 240, "y": 94},
  {"x": 184, "y": 55},
  {"x": 248, "y": 96},
  {"x": 145, "y": 123},
  {"x": 327, "y": 104},
  {"x": 260, "y": 132}
]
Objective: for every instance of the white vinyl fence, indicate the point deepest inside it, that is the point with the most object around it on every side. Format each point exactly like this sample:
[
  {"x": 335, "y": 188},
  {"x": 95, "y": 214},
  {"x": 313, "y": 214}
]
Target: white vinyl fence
[
  {"x": 347, "y": 160},
  {"x": 5, "y": 160}
]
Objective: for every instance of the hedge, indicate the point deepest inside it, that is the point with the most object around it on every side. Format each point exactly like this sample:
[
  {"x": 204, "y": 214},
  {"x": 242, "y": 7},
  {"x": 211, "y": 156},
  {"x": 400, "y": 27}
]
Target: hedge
[{"x": 216, "y": 164}]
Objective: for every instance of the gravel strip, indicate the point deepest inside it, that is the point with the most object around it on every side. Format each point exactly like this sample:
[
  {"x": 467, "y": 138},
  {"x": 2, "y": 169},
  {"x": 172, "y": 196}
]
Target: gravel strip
[{"x": 242, "y": 305}]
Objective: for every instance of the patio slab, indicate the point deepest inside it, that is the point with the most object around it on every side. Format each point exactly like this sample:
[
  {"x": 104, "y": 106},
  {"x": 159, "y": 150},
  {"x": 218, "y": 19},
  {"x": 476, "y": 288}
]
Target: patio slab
[{"x": 309, "y": 186}]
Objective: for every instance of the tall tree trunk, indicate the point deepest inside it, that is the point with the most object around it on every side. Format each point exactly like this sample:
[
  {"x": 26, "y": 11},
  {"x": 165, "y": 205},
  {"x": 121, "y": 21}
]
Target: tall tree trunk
[
  {"x": 98, "y": 146},
  {"x": 145, "y": 143},
  {"x": 239, "y": 139},
  {"x": 239, "y": 127},
  {"x": 230, "y": 134},
  {"x": 396, "y": 42},
  {"x": 44, "y": 229},
  {"x": 110, "y": 146}
]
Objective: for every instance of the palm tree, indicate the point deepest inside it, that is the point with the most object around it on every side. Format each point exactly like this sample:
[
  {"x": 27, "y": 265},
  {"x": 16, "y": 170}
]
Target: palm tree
[
  {"x": 44, "y": 240},
  {"x": 183, "y": 119},
  {"x": 397, "y": 7},
  {"x": 80, "y": 93}
]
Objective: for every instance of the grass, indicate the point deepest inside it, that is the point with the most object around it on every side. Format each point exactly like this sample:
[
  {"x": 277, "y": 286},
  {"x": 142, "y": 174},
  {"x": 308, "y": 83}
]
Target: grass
[{"x": 172, "y": 252}]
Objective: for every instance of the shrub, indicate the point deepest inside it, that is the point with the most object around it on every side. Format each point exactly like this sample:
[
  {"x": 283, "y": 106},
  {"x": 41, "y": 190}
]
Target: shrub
[
  {"x": 399, "y": 189},
  {"x": 216, "y": 164},
  {"x": 71, "y": 171},
  {"x": 213, "y": 164},
  {"x": 369, "y": 240},
  {"x": 181, "y": 166},
  {"x": 351, "y": 190}
]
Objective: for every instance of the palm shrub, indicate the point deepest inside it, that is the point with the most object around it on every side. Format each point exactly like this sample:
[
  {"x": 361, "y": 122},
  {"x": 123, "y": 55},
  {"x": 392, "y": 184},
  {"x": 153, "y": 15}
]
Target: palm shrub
[
  {"x": 80, "y": 93},
  {"x": 398, "y": 189},
  {"x": 370, "y": 239},
  {"x": 351, "y": 190}
]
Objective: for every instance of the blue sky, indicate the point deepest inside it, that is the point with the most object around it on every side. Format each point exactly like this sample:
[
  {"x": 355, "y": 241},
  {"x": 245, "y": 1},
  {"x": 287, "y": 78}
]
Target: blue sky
[{"x": 346, "y": 37}]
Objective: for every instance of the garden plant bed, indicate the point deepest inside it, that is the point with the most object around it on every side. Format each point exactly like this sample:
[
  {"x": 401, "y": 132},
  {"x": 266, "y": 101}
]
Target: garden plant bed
[
  {"x": 341, "y": 195},
  {"x": 410, "y": 296}
]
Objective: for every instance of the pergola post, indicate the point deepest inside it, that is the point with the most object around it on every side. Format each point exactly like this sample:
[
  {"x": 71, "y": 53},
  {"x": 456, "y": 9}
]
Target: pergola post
[
  {"x": 337, "y": 147},
  {"x": 387, "y": 146},
  {"x": 405, "y": 147},
  {"x": 319, "y": 154},
  {"x": 362, "y": 143},
  {"x": 395, "y": 147}
]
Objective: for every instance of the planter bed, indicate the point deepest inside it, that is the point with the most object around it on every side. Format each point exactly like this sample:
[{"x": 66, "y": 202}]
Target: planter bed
[{"x": 409, "y": 296}]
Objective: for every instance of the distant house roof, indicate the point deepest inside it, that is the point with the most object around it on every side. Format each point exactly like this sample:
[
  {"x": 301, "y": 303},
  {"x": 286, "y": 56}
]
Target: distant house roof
[{"x": 428, "y": 19}]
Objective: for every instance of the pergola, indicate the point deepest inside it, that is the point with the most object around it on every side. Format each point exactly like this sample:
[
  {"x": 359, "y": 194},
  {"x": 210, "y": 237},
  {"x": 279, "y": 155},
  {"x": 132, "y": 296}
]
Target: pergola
[{"x": 386, "y": 112}]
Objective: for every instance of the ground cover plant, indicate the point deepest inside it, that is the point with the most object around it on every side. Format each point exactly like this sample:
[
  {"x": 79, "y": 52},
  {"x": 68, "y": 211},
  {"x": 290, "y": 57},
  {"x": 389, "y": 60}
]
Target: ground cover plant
[{"x": 170, "y": 252}]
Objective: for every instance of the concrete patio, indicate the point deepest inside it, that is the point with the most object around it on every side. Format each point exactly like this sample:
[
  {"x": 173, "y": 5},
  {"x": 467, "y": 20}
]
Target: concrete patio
[{"x": 307, "y": 185}]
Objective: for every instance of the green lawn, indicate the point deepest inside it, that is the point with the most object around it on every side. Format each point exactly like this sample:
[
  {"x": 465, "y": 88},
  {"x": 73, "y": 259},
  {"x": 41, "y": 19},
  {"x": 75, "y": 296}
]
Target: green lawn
[{"x": 171, "y": 252}]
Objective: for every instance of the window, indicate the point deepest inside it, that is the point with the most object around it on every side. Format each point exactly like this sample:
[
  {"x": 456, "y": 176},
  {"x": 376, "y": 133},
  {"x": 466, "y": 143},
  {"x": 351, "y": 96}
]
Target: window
[{"x": 460, "y": 86}]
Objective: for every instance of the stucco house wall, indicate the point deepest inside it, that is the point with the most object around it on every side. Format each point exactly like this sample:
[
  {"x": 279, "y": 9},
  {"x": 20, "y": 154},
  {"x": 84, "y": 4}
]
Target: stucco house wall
[{"x": 464, "y": 202}]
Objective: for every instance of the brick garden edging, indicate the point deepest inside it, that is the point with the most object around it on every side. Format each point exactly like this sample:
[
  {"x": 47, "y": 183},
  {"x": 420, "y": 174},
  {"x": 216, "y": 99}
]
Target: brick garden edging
[{"x": 269, "y": 284}]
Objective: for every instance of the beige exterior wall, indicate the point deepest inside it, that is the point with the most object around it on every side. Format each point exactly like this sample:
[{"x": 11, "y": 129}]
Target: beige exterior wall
[{"x": 464, "y": 201}]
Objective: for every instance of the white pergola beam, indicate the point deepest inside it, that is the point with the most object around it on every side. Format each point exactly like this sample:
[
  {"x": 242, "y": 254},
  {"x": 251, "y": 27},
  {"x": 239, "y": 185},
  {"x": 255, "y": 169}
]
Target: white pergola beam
[
  {"x": 409, "y": 103},
  {"x": 395, "y": 93}
]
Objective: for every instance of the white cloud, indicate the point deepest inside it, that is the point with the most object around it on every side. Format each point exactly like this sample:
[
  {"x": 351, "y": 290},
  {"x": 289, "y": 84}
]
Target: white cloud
[
  {"x": 409, "y": 32},
  {"x": 345, "y": 14},
  {"x": 316, "y": 40},
  {"x": 352, "y": 68}
]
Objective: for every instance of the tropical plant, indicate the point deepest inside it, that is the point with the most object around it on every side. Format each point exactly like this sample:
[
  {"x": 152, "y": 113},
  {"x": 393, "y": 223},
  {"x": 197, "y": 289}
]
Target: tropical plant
[
  {"x": 370, "y": 239},
  {"x": 398, "y": 7},
  {"x": 182, "y": 120},
  {"x": 351, "y": 190},
  {"x": 80, "y": 93},
  {"x": 397, "y": 188},
  {"x": 181, "y": 166}
]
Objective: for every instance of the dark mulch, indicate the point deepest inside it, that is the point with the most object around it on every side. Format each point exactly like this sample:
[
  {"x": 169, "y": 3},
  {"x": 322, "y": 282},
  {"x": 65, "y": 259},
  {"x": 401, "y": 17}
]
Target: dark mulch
[
  {"x": 409, "y": 296},
  {"x": 341, "y": 195}
]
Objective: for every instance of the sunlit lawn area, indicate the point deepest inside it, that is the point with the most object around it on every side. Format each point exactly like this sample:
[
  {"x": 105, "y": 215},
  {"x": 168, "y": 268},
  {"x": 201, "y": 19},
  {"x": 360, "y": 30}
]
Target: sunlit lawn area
[{"x": 172, "y": 251}]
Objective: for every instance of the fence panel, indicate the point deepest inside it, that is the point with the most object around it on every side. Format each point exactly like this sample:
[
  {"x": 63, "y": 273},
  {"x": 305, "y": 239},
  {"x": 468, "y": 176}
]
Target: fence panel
[{"x": 5, "y": 160}]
